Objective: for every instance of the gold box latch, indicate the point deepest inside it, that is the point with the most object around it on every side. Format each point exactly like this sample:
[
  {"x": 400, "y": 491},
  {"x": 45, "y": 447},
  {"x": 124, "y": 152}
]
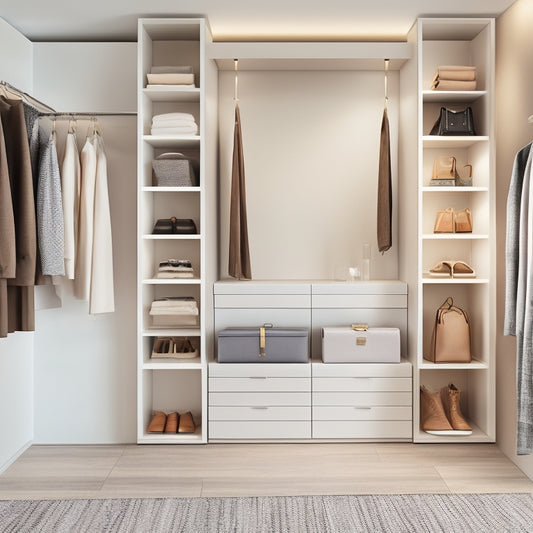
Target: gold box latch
[
  {"x": 262, "y": 342},
  {"x": 359, "y": 327},
  {"x": 360, "y": 341}
]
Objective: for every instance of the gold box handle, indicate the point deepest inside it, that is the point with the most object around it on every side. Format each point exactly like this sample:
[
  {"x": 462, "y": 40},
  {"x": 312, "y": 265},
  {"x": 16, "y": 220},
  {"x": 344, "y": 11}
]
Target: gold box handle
[{"x": 359, "y": 327}]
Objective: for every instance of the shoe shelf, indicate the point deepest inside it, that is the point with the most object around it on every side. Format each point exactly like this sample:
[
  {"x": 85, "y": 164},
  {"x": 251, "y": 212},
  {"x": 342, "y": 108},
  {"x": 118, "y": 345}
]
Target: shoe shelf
[
  {"x": 452, "y": 96},
  {"x": 454, "y": 41},
  {"x": 170, "y": 384}
]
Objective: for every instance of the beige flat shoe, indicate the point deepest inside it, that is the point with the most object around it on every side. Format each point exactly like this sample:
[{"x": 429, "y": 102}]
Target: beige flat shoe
[
  {"x": 453, "y": 269},
  {"x": 157, "y": 424}
]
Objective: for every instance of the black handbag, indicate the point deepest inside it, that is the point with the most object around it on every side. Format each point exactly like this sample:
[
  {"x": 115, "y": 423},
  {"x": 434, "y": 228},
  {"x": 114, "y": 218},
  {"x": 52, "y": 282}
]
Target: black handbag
[
  {"x": 173, "y": 225},
  {"x": 452, "y": 122}
]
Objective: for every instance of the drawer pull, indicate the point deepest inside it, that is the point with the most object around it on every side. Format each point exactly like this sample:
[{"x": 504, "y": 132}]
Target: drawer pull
[
  {"x": 362, "y": 408},
  {"x": 258, "y": 377},
  {"x": 262, "y": 408}
]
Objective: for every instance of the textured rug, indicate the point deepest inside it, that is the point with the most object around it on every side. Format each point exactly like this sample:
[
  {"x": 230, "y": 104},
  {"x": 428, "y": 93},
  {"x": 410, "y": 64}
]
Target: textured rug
[{"x": 299, "y": 514}]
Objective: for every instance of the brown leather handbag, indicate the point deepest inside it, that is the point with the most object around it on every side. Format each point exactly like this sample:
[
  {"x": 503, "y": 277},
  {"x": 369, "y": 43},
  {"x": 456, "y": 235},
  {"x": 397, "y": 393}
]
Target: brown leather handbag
[{"x": 450, "y": 340}]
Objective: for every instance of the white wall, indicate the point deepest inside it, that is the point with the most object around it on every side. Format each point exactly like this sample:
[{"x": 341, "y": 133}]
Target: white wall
[
  {"x": 85, "y": 366},
  {"x": 16, "y": 351},
  {"x": 311, "y": 150},
  {"x": 514, "y": 103}
]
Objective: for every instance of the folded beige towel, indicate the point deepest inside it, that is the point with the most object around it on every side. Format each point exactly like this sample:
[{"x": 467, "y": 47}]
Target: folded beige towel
[
  {"x": 171, "y": 79},
  {"x": 456, "y": 75},
  {"x": 451, "y": 85}
]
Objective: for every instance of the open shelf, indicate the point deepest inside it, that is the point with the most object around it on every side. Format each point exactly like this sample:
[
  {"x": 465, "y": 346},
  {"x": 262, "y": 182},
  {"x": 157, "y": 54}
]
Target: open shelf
[
  {"x": 172, "y": 94},
  {"x": 455, "y": 189},
  {"x": 429, "y": 280},
  {"x": 474, "y": 365},
  {"x": 452, "y": 96},
  {"x": 172, "y": 438},
  {"x": 453, "y": 236},
  {"x": 178, "y": 281},
  {"x": 171, "y": 189},
  {"x": 452, "y": 141},
  {"x": 477, "y": 436},
  {"x": 172, "y": 141},
  {"x": 173, "y": 364}
]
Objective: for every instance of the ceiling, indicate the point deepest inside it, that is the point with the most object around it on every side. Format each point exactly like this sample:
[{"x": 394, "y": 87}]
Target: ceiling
[{"x": 238, "y": 20}]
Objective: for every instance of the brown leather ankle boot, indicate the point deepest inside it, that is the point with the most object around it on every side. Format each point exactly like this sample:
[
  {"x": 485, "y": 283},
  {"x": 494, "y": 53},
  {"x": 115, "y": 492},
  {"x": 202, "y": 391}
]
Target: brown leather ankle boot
[
  {"x": 450, "y": 397},
  {"x": 432, "y": 416}
]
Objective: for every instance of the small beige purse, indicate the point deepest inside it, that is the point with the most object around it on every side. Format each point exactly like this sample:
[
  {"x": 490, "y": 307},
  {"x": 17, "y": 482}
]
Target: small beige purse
[
  {"x": 450, "y": 340},
  {"x": 444, "y": 168},
  {"x": 445, "y": 221}
]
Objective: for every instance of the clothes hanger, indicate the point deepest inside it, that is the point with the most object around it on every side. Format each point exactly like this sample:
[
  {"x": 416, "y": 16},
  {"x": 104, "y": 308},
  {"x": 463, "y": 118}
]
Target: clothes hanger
[
  {"x": 386, "y": 82},
  {"x": 6, "y": 91}
]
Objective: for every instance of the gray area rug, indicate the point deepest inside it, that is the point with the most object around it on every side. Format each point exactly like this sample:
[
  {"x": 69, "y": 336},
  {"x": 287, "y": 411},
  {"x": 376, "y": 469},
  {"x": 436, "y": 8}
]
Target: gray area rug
[{"x": 299, "y": 514}]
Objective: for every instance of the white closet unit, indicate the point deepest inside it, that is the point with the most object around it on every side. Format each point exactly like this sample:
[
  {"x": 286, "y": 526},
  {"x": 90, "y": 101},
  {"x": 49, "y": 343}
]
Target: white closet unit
[
  {"x": 451, "y": 42},
  {"x": 168, "y": 384}
]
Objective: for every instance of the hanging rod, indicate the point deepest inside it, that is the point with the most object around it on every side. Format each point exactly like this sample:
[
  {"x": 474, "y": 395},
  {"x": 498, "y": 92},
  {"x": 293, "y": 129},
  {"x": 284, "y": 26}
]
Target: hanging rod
[
  {"x": 23, "y": 94},
  {"x": 59, "y": 115}
]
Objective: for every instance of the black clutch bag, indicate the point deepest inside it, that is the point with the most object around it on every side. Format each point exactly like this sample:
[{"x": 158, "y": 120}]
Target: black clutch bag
[
  {"x": 164, "y": 226},
  {"x": 185, "y": 226},
  {"x": 454, "y": 122}
]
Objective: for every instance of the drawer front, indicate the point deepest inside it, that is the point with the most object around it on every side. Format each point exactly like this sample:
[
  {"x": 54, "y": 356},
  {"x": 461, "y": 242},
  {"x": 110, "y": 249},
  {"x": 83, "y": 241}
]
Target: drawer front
[
  {"x": 267, "y": 429},
  {"x": 259, "y": 384},
  {"x": 245, "y": 399},
  {"x": 361, "y": 287},
  {"x": 258, "y": 412},
  {"x": 262, "y": 301},
  {"x": 362, "y": 429},
  {"x": 358, "y": 301},
  {"x": 362, "y": 399},
  {"x": 271, "y": 370},
  {"x": 362, "y": 413},
  {"x": 396, "y": 370},
  {"x": 361, "y": 384},
  {"x": 262, "y": 287}
]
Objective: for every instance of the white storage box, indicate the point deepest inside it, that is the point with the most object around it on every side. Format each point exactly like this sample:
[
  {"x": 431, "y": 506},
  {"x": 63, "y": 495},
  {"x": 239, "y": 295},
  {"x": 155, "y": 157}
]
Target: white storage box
[{"x": 359, "y": 344}]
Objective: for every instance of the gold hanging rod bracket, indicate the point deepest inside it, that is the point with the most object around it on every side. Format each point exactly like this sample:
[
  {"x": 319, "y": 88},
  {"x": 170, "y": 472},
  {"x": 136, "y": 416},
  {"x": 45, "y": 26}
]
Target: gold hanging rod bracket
[
  {"x": 236, "y": 89},
  {"x": 387, "y": 61}
]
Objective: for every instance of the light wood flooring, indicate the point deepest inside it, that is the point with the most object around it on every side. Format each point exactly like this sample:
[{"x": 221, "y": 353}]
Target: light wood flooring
[{"x": 131, "y": 471}]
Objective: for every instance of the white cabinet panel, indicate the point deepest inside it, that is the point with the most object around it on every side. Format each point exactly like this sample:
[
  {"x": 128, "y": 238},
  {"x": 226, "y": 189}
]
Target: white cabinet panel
[
  {"x": 259, "y": 412},
  {"x": 285, "y": 370},
  {"x": 367, "y": 429},
  {"x": 360, "y": 301},
  {"x": 361, "y": 413},
  {"x": 259, "y": 399},
  {"x": 261, "y": 301},
  {"x": 266, "y": 429},
  {"x": 374, "y": 398},
  {"x": 362, "y": 370},
  {"x": 259, "y": 383},
  {"x": 362, "y": 384}
]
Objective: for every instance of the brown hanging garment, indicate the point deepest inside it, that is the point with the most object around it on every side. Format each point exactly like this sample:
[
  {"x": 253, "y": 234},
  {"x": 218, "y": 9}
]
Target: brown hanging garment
[{"x": 384, "y": 188}]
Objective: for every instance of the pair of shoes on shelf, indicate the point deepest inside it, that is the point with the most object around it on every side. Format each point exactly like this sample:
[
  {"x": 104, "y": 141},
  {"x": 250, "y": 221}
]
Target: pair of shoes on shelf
[
  {"x": 173, "y": 347},
  {"x": 172, "y": 423},
  {"x": 440, "y": 412},
  {"x": 453, "y": 269}
]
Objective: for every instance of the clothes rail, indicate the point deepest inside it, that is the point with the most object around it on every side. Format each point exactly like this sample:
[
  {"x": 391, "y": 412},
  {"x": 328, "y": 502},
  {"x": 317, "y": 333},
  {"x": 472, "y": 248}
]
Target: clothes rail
[
  {"x": 85, "y": 114},
  {"x": 24, "y": 95}
]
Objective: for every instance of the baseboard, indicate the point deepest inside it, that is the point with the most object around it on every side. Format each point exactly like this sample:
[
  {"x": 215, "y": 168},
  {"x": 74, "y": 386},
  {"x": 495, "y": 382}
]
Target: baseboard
[{"x": 17, "y": 454}]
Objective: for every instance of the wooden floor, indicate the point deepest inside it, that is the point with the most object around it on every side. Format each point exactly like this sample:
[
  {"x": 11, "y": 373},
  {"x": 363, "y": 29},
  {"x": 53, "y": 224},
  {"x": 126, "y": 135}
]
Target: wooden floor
[{"x": 47, "y": 472}]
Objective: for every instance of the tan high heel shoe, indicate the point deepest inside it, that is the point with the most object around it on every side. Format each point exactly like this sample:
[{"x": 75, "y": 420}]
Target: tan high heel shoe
[{"x": 432, "y": 416}]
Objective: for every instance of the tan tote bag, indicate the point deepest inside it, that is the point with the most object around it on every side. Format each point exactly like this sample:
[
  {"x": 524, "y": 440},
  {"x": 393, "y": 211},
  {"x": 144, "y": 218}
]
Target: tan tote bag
[{"x": 450, "y": 341}]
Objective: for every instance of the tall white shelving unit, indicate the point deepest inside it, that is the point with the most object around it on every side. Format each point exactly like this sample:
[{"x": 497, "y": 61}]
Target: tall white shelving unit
[
  {"x": 166, "y": 384},
  {"x": 455, "y": 42}
]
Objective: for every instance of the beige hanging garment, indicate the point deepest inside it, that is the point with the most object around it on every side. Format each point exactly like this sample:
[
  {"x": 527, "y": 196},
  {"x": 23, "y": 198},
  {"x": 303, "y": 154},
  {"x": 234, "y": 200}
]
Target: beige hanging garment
[{"x": 102, "y": 293}]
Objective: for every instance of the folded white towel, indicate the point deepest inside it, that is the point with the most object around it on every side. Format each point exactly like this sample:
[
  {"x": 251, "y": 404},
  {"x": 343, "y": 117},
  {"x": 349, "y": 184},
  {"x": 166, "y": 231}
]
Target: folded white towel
[
  {"x": 174, "y": 275},
  {"x": 173, "y": 312},
  {"x": 172, "y": 116},
  {"x": 184, "y": 69},
  {"x": 177, "y": 123},
  {"x": 170, "y": 85},
  {"x": 183, "y": 130}
]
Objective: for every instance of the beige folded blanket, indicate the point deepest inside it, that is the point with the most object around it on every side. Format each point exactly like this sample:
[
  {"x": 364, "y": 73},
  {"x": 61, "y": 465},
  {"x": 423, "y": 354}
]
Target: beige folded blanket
[
  {"x": 453, "y": 85},
  {"x": 182, "y": 130},
  {"x": 171, "y": 69},
  {"x": 171, "y": 79},
  {"x": 454, "y": 73}
]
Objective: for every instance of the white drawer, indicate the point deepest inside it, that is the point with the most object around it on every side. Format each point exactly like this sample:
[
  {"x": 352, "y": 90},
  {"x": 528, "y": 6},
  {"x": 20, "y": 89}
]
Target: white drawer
[
  {"x": 262, "y": 301},
  {"x": 362, "y": 413},
  {"x": 363, "y": 429},
  {"x": 361, "y": 384},
  {"x": 362, "y": 398},
  {"x": 358, "y": 301},
  {"x": 280, "y": 370},
  {"x": 257, "y": 412},
  {"x": 259, "y": 398},
  {"x": 396, "y": 370},
  {"x": 267, "y": 429},
  {"x": 261, "y": 287},
  {"x": 259, "y": 384},
  {"x": 390, "y": 286}
]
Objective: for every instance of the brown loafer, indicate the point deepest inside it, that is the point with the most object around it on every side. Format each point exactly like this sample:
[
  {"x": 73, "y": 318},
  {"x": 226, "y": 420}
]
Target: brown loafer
[
  {"x": 186, "y": 424},
  {"x": 157, "y": 424},
  {"x": 172, "y": 423}
]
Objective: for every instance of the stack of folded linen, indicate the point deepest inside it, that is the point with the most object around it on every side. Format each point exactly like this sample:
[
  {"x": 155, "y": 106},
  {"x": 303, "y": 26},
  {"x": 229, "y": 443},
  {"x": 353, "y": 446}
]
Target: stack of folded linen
[
  {"x": 174, "y": 311},
  {"x": 454, "y": 78},
  {"x": 174, "y": 124},
  {"x": 172, "y": 269},
  {"x": 165, "y": 76}
]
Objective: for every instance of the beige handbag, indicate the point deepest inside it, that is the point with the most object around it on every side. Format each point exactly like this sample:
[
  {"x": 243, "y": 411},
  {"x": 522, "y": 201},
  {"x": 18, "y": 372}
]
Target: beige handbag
[
  {"x": 450, "y": 340},
  {"x": 444, "y": 168},
  {"x": 463, "y": 221},
  {"x": 445, "y": 221}
]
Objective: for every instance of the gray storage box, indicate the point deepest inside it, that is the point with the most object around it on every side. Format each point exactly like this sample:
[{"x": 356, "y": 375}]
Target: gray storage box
[
  {"x": 174, "y": 170},
  {"x": 280, "y": 345},
  {"x": 349, "y": 345}
]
